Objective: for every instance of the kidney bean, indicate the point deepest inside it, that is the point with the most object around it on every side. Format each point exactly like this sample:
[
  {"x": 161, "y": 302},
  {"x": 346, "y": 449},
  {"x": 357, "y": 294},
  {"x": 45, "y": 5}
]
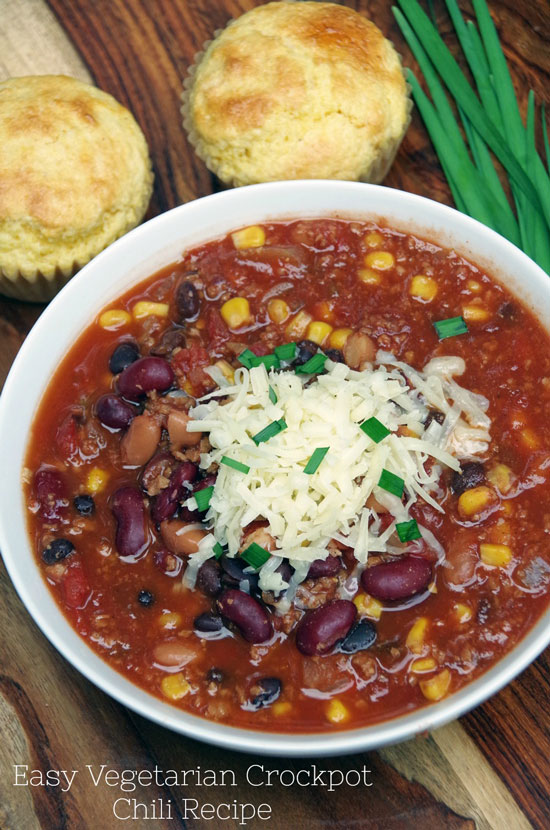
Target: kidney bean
[
  {"x": 173, "y": 653},
  {"x": 400, "y": 579},
  {"x": 166, "y": 503},
  {"x": 145, "y": 375},
  {"x": 208, "y": 623},
  {"x": 318, "y": 631},
  {"x": 471, "y": 475},
  {"x": 176, "y": 425},
  {"x": 181, "y": 537},
  {"x": 361, "y": 637},
  {"x": 195, "y": 515},
  {"x": 167, "y": 562},
  {"x": 57, "y": 550},
  {"x": 129, "y": 511},
  {"x": 324, "y": 567},
  {"x": 170, "y": 340},
  {"x": 270, "y": 689},
  {"x": 434, "y": 415},
  {"x": 161, "y": 466},
  {"x": 209, "y": 578},
  {"x": 188, "y": 302},
  {"x": 124, "y": 354},
  {"x": 247, "y": 614},
  {"x": 140, "y": 442},
  {"x": 51, "y": 494},
  {"x": 114, "y": 412}
]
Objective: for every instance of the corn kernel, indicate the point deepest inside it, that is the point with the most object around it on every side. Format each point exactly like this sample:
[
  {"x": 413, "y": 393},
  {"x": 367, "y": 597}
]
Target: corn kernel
[
  {"x": 369, "y": 277},
  {"x": 368, "y": 606},
  {"x": 114, "y": 319},
  {"x": 175, "y": 686},
  {"x": 336, "y": 712},
  {"x": 297, "y": 327},
  {"x": 318, "y": 332},
  {"x": 324, "y": 311},
  {"x": 146, "y": 309},
  {"x": 463, "y": 612},
  {"x": 278, "y": 311},
  {"x": 436, "y": 687},
  {"x": 170, "y": 620},
  {"x": 496, "y": 555},
  {"x": 251, "y": 237},
  {"x": 373, "y": 239},
  {"x": 415, "y": 637},
  {"x": 475, "y": 314},
  {"x": 501, "y": 477},
  {"x": 473, "y": 502},
  {"x": 337, "y": 338},
  {"x": 423, "y": 288},
  {"x": 380, "y": 260},
  {"x": 96, "y": 480},
  {"x": 226, "y": 369},
  {"x": 424, "y": 664},
  {"x": 474, "y": 286},
  {"x": 282, "y": 707},
  {"x": 530, "y": 438},
  {"x": 236, "y": 312}
]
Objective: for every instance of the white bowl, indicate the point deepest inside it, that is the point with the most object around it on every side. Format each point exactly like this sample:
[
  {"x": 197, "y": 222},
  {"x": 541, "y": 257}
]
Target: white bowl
[{"x": 133, "y": 258}]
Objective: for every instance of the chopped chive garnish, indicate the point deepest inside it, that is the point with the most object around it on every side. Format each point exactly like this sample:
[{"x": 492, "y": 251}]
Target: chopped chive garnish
[
  {"x": 230, "y": 462},
  {"x": 247, "y": 358},
  {"x": 286, "y": 352},
  {"x": 450, "y": 327},
  {"x": 407, "y": 531},
  {"x": 313, "y": 365},
  {"x": 272, "y": 395},
  {"x": 375, "y": 429},
  {"x": 255, "y": 555},
  {"x": 272, "y": 429},
  {"x": 202, "y": 497},
  {"x": 314, "y": 461},
  {"x": 392, "y": 483},
  {"x": 218, "y": 550},
  {"x": 270, "y": 361}
]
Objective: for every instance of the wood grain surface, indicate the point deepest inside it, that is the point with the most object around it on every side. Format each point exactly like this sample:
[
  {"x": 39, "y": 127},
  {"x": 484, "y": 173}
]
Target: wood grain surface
[{"x": 491, "y": 770}]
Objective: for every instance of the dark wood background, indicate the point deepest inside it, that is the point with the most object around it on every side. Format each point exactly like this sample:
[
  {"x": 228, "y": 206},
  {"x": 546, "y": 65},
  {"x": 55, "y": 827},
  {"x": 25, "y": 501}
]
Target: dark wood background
[{"x": 490, "y": 771}]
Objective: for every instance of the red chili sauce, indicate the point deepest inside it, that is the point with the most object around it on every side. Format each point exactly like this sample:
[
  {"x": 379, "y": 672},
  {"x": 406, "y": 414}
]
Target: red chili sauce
[{"x": 137, "y": 614}]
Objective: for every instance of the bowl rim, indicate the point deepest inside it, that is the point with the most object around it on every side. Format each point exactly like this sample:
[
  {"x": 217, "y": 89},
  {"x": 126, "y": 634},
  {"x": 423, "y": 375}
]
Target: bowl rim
[{"x": 58, "y": 630}]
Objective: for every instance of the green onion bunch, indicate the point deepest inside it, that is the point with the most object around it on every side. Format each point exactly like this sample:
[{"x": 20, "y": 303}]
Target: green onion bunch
[{"x": 491, "y": 122}]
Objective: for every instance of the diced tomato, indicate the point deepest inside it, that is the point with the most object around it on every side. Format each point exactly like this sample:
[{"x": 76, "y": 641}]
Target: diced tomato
[
  {"x": 67, "y": 437},
  {"x": 76, "y": 587},
  {"x": 260, "y": 349}
]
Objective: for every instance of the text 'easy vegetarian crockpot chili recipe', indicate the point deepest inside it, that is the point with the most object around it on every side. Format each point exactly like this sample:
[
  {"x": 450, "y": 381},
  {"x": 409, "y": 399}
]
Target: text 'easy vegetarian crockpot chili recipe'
[{"x": 299, "y": 479}]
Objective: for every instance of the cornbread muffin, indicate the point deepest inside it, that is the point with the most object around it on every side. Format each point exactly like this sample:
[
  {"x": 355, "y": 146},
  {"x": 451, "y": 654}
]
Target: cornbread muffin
[
  {"x": 75, "y": 174},
  {"x": 297, "y": 90}
]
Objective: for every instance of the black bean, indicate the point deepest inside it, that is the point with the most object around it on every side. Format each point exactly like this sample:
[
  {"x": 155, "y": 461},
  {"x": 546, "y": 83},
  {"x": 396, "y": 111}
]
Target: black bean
[
  {"x": 270, "y": 691},
  {"x": 334, "y": 355},
  {"x": 123, "y": 355},
  {"x": 57, "y": 550},
  {"x": 209, "y": 578},
  {"x": 434, "y": 415},
  {"x": 84, "y": 505},
  {"x": 305, "y": 350},
  {"x": 215, "y": 675},
  {"x": 360, "y": 637},
  {"x": 146, "y": 598},
  {"x": 208, "y": 622},
  {"x": 483, "y": 610},
  {"x": 188, "y": 303},
  {"x": 471, "y": 475},
  {"x": 285, "y": 570},
  {"x": 234, "y": 574}
]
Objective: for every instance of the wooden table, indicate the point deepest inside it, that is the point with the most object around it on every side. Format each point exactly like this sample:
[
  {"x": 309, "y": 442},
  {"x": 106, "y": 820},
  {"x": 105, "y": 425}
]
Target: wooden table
[{"x": 489, "y": 770}]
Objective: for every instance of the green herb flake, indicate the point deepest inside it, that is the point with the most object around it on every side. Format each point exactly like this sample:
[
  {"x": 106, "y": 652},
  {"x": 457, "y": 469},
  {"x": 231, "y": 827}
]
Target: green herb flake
[
  {"x": 286, "y": 352},
  {"x": 450, "y": 327},
  {"x": 272, "y": 395},
  {"x": 272, "y": 429},
  {"x": 202, "y": 497},
  {"x": 236, "y": 465},
  {"x": 270, "y": 361},
  {"x": 255, "y": 555},
  {"x": 314, "y": 365},
  {"x": 218, "y": 550},
  {"x": 315, "y": 460},
  {"x": 407, "y": 531},
  {"x": 375, "y": 429},
  {"x": 247, "y": 358},
  {"x": 392, "y": 483}
]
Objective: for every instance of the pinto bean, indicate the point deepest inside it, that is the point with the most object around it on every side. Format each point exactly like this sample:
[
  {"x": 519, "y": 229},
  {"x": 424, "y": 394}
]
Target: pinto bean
[
  {"x": 188, "y": 302},
  {"x": 145, "y": 375},
  {"x": 250, "y": 617},
  {"x": 51, "y": 493},
  {"x": 359, "y": 348},
  {"x": 318, "y": 631},
  {"x": 166, "y": 503},
  {"x": 114, "y": 412},
  {"x": 177, "y": 430},
  {"x": 401, "y": 579},
  {"x": 181, "y": 537},
  {"x": 324, "y": 567},
  {"x": 140, "y": 442},
  {"x": 461, "y": 559},
  {"x": 129, "y": 511},
  {"x": 173, "y": 653}
]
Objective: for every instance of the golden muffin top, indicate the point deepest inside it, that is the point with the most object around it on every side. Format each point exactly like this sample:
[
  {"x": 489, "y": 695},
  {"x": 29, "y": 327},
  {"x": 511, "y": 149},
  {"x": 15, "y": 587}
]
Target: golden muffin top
[{"x": 298, "y": 90}]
